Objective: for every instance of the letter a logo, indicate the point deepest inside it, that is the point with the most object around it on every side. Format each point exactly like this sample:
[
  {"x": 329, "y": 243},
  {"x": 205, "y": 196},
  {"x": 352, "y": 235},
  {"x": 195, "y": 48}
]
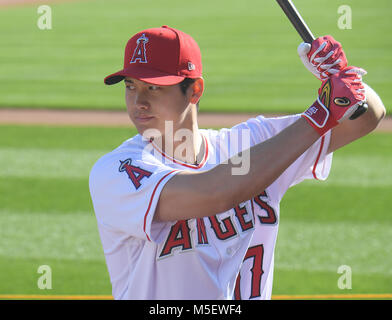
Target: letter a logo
[
  {"x": 140, "y": 51},
  {"x": 135, "y": 174}
]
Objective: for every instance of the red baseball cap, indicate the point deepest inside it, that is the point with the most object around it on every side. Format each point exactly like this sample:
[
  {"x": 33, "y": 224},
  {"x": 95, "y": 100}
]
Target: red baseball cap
[{"x": 160, "y": 56}]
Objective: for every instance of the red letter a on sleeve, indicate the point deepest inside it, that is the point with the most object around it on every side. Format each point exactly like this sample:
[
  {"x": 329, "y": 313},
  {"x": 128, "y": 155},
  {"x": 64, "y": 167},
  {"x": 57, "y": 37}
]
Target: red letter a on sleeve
[{"x": 134, "y": 173}]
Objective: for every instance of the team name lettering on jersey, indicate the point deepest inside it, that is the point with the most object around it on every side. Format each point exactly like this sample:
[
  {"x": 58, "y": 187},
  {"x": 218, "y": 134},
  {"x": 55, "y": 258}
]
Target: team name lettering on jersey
[
  {"x": 135, "y": 174},
  {"x": 241, "y": 213},
  {"x": 179, "y": 236},
  {"x": 261, "y": 201},
  {"x": 201, "y": 232},
  {"x": 139, "y": 55},
  {"x": 224, "y": 229}
]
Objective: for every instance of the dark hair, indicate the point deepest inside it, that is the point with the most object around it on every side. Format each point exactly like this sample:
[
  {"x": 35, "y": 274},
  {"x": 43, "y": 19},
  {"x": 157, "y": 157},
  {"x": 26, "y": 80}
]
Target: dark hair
[{"x": 185, "y": 84}]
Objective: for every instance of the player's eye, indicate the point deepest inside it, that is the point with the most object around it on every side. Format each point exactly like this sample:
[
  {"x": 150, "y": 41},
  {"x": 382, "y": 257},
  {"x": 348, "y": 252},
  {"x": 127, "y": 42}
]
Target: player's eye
[
  {"x": 130, "y": 87},
  {"x": 153, "y": 88}
]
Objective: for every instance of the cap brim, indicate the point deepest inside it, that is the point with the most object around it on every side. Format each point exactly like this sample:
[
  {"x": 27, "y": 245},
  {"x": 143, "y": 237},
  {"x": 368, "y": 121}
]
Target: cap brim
[{"x": 144, "y": 74}]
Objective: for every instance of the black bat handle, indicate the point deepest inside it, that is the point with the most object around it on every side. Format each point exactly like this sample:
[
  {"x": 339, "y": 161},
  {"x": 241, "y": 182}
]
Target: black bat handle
[{"x": 296, "y": 20}]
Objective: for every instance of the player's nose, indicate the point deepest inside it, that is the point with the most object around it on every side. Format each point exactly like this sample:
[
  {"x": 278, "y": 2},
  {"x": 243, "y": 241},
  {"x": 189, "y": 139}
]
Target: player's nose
[{"x": 141, "y": 101}]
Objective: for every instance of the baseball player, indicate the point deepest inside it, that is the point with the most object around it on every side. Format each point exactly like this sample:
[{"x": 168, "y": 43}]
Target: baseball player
[{"x": 189, "y": 213}]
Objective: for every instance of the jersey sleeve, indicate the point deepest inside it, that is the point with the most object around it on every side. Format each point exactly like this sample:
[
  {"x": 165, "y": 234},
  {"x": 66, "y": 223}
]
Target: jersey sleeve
[
  {"x": 125, "y": 191},
  {"x": 314, "y": 163}
]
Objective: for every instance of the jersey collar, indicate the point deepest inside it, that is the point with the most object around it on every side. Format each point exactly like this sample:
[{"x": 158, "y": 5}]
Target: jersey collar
[{"x": 179, "y": 162}]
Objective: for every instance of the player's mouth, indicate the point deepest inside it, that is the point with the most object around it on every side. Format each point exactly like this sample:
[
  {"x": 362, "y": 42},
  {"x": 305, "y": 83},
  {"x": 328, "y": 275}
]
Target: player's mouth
[{"x": 143, "y": 118}]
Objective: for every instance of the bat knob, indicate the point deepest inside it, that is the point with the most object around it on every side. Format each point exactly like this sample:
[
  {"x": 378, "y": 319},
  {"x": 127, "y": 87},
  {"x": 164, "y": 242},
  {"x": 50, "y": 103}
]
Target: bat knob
[{"x": 360, "y": 111}]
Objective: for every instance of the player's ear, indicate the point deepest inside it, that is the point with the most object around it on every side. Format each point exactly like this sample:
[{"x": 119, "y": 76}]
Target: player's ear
[{"x": 197, "y": 90}]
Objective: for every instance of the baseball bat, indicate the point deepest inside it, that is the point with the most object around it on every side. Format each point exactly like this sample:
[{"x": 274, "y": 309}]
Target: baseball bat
[{"x": 303, "y": 30}]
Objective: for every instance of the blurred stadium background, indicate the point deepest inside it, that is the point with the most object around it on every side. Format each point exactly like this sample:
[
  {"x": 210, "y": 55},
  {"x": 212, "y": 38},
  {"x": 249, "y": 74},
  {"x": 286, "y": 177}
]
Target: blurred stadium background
[{"x": 250, "y": 65}]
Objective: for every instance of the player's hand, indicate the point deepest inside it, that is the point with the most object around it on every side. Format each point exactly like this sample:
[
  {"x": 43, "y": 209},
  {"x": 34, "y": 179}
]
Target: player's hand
[
  {"x": 324, "y": 57},
  {"x": 338, "y": 98}
]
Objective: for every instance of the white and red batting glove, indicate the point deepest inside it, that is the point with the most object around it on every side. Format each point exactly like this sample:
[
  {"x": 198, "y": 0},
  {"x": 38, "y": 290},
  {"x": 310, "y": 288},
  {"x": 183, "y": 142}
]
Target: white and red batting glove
[
  {"x": 338, "y": 98},
  {"x": 324, "y": 57}
]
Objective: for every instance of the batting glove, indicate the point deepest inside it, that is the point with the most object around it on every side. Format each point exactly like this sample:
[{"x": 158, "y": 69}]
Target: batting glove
[
  {"x": 324, "y": 57},
  {"x": 338, "y": 98}
]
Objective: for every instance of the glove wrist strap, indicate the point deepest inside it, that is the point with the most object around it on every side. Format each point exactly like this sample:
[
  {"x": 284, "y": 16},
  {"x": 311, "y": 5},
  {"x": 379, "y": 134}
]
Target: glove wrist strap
[{"x": 317, "y": 116}]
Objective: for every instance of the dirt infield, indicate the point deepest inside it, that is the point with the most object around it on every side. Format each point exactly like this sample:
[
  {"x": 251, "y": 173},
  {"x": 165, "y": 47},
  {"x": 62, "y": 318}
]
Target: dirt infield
[
  {"x": 102, "y": 118},
  {"x": 120, "y": 118}
]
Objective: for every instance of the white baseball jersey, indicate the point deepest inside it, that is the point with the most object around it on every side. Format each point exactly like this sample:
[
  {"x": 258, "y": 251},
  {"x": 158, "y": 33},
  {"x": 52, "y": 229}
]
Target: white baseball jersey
[{"x": 196, "y": 258}]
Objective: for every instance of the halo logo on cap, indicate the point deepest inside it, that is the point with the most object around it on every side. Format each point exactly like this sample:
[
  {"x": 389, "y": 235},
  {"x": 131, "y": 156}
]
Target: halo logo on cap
[
  {"x": 162, "y": 56},
  {"x": 139, "y": 55}
]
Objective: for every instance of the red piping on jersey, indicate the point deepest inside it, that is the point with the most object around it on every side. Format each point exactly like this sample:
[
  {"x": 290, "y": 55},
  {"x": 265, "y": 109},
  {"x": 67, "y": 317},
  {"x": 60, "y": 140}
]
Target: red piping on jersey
[
  {"x": 253, "y": 210},
  {"x": 149, "y": 205},
  {"x": 318, "y": 157},
  {"x": 183, "y": 163}
]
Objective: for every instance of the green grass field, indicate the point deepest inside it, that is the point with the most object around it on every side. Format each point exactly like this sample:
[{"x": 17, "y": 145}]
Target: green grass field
[
  {"x": 250, "y": 64},
  {"x": 46, "y": 216},
  {"x": 248, "y": 48}
]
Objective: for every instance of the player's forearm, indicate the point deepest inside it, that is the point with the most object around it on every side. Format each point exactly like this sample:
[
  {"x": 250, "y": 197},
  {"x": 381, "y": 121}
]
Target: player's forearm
[
  {"x": 268, "y": 160},
  {"x": 350, "y": 131},
  {"x": 192, "y": 195},
  {"x": 376, "y": 111}
]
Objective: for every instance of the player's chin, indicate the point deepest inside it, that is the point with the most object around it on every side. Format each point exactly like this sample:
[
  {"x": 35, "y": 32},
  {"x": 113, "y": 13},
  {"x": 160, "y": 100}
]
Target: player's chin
[{"x": 148, "y": 129}]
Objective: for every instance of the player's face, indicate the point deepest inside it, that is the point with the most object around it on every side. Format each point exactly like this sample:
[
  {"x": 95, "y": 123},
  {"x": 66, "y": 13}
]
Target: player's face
[{"x": 149, "y": 106}]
